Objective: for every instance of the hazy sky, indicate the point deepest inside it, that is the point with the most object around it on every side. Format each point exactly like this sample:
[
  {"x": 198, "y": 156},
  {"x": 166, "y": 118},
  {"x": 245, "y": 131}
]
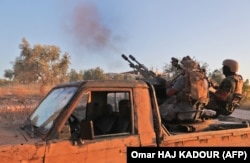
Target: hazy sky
[{"x": 96, "y": 32}]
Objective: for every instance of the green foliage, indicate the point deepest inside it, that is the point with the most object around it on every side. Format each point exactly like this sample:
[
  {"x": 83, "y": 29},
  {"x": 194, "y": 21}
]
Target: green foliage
[
  {"x": 217, "y": 76},
  {"x": 40, "y": 64},
  {"x": 75, "y": 76},
  {"x": 94, "y": 74},
  {"x": 9, "y": 74},
  {"x": 121, "y": 77}
]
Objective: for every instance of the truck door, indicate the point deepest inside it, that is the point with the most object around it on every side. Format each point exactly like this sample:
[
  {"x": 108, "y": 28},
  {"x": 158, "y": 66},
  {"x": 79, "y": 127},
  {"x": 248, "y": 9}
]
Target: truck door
[{"x": 103, "y": 130}]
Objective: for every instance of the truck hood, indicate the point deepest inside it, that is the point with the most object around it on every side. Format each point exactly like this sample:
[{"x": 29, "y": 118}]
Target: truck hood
[
  {"x": 17, "y": 146},
  {"x": 13, "y": 135}
]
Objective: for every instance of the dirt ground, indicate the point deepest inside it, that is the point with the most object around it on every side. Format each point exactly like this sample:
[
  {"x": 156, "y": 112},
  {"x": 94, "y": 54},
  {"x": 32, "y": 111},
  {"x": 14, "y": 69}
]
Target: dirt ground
[{"x": 14, "y": 110}]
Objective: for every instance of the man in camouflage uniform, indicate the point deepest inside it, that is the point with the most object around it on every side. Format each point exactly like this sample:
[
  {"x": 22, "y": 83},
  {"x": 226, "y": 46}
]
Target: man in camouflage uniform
[
  {"x": 175, "y": 104},
  {"x": 222, "y": 98}
]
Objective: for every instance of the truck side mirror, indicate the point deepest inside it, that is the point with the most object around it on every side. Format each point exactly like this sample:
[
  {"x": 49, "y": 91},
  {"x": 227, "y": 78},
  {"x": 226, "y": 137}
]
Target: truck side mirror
[{"x": 86, "y": 130}]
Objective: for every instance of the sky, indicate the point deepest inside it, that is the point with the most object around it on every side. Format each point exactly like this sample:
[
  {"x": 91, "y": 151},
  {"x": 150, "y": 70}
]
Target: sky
[{"x": 95, "y": 33}]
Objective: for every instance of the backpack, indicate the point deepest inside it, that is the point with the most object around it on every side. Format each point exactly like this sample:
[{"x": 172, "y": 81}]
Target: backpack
[
  {"x": 233, "y": 101},
  {"x": 195, "y": 92},
  {"x": 239, "y": 83},
  {"x": 196, "y": 83}
]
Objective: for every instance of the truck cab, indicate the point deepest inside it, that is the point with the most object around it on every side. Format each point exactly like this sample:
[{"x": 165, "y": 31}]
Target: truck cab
[
  {"x": 86, "y": 121},
  {"x": 95, "y": 121}
]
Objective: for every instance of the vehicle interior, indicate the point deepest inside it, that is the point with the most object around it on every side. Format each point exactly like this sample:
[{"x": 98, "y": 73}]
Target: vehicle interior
[{"x": 106, "y": 114}]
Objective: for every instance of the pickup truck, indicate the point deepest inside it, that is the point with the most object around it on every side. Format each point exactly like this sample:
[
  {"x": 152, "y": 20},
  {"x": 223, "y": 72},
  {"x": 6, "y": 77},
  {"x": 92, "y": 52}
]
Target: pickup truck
[{"x": 95, "y": 121}]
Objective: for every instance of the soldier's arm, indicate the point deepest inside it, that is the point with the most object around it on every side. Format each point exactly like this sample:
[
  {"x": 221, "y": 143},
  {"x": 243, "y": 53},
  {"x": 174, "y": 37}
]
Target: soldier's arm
[{"x": 224, "y": 90}]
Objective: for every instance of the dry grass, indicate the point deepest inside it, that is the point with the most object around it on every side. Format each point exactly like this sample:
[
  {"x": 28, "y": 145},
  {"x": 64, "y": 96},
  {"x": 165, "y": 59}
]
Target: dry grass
[
  {"x": 23, "y": 91},
  {"x": 14, "y": 115},
  {"x": 17, "y": 102}
]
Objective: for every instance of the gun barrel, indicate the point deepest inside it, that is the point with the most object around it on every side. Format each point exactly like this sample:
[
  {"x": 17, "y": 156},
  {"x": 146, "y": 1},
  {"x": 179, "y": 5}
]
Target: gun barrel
[
  {"x": 130, "y": 63},
  {"x": 124, "y": 57},
  {"x": 147, "y": 74},
  {"x": 132, "y": 57},
  {"x": 140, "y": 65}
]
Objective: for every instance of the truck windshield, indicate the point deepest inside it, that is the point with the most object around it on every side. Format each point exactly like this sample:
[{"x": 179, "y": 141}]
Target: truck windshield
[{"x": 51, "y": 106}]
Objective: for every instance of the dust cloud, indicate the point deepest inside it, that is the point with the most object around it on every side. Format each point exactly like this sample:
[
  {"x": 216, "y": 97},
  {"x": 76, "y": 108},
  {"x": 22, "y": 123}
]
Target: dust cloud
[
  {"x": 86, "y": 26},
  {"x": 88, "y": 29}
]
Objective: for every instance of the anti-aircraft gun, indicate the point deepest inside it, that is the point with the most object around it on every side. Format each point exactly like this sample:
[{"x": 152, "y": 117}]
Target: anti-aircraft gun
[
  {"x": 157, "y": 81},
  {"x": 144, "y": 71}
]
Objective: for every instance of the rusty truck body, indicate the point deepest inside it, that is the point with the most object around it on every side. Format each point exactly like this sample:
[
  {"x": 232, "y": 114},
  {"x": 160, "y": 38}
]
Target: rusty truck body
[{"x": 95, "y": 121}]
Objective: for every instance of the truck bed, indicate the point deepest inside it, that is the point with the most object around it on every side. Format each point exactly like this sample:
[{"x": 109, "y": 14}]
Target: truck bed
[
  {"x": 224, "y": 131},
  {"x": 221, "y": 123}
]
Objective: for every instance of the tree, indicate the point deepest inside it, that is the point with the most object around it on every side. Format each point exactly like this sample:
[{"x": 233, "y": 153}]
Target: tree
[
  {"x": 246, "y": 84},
  {"x": 41, "y": 64},
  {"x": 94, "y": 74},
  {"x": 217, "y": 76},
  {"x": 9, "y": 74},
  {"x": 74, "y": 75},
  {"x": 21, "y": 66},
  {"x": 122, "y": 77}
]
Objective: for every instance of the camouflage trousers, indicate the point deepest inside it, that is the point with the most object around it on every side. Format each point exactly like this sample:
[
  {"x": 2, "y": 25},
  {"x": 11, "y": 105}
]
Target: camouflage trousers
[{"x": 169, "y": 111}]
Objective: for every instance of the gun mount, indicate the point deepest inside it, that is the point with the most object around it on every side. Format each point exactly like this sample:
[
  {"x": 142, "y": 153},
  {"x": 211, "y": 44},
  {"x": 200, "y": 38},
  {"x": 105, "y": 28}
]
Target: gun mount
[
  {"x": 138, "y": 67},
  {"x": 144, "y": 71},
  {"x": 157, "y": 81}
]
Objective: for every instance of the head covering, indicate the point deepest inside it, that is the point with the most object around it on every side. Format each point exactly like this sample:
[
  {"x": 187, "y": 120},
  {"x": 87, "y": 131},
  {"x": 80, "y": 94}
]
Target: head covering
[
  {"x": 173, "y": 59},
  {"x": 232, "y": 64},
  {"x": 185, "y": 59}
]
